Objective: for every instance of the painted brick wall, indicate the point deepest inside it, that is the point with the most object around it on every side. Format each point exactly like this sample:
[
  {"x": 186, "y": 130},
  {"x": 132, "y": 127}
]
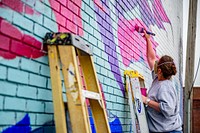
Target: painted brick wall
[{"x": 106, "y": 25}]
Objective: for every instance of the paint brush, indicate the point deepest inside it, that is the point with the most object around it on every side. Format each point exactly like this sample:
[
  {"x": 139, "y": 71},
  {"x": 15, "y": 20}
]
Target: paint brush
[{"x": 141, "y": 30}]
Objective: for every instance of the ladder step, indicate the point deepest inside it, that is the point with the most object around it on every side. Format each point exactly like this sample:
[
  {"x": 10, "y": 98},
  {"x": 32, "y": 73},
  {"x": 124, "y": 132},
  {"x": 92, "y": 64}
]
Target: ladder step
[{"x": 91, "y": 95}]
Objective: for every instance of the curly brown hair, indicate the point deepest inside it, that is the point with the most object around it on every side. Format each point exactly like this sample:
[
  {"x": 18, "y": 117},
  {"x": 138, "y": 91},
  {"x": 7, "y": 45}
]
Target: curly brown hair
[{"x": 167, "y": 66}]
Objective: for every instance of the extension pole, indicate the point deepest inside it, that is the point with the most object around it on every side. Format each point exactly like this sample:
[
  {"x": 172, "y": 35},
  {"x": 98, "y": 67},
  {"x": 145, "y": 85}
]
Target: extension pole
[{"x": 190, "y": 58}]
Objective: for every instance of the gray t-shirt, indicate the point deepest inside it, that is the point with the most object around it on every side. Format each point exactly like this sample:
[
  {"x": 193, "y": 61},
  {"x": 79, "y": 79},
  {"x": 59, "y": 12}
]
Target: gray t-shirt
[{"x": 167, "y": 96}]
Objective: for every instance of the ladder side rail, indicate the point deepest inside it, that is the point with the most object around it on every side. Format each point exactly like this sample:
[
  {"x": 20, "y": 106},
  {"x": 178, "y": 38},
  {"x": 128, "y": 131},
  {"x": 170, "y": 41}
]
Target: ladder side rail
[
  {"x": 76, "y": 103},
  {"x": 58, "y": 104},
  {"x": 92, "y": 84}
]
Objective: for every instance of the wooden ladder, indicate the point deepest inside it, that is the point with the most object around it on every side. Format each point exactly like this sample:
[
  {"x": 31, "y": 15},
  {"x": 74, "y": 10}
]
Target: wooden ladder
[{"x": 69, "y": 53}]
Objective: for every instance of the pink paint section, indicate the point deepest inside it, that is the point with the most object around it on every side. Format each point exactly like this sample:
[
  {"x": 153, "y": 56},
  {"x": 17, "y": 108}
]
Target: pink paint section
[
  {"x": 160, "y": 11},
  {"x": 70, "y": 19},
  {"x": 18, "y": 6},
  {"x": 132, "y": 44},
  {"x": 13, "y": 43}
]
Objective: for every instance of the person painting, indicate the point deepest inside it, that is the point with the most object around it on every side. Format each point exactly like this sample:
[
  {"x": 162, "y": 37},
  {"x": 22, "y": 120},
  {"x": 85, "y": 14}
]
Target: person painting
[{"x": 162, "y": 100}]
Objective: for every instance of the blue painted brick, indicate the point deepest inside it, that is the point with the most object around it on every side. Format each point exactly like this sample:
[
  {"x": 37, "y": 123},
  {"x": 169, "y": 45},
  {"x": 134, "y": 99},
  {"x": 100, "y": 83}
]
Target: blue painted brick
[
  {"x": 16, "y": 75},
  {"x": 40, "y": 31},
  {"x": 8, "y": 88},
  {"x": 3, "y": 72},
  {"x": 15, "y": 104},
  {"x": 32, "y": 116},
  {"x": 37, "y": 80},
  {"x": 1, "y": 102},
  {"x": 12, "y": 63},
  {"x": 45, "y": 70},
  {"x": 7, "y": 118},
  {"x": 35, "y": 106},
  {"x": 30, "y": 65},
  {"x": 48, "y": 107},
  {"x": 27, "y": 91},
  {"x": 44, "y": 94},
  {"x": 22, "y": 21},
  {"x": 43, "y": 118}
]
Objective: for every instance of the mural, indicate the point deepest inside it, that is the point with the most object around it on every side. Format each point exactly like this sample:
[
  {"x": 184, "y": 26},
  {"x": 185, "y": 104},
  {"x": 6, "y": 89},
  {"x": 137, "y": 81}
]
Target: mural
[{"x": 23, "y": 24}]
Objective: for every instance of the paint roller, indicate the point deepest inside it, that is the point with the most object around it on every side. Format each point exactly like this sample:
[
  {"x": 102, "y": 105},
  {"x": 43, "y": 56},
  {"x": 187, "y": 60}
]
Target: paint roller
[{"x": 141, "y": 30}]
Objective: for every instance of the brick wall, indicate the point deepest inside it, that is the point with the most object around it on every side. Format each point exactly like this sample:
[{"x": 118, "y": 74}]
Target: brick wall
[{"x": 25, "y": 86}]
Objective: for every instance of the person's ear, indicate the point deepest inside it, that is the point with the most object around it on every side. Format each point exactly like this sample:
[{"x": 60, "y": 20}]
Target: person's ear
[{"x": 159, "y": 70}]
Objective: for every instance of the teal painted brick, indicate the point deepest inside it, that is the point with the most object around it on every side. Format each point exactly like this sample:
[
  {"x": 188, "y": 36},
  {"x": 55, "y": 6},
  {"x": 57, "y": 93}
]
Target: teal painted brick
[
  {"x": 93, "y": 40},
  {"x": 117, "y": 91},
  {"x": 97, "y": 52},
  {"x": 7, "y": 118},
  {"x": 35, "y": 106},
  {"x": 37, "y": 18},
  {"x": 43, "y": 118},
  {"x": 85, "y": 16},
  {"x": 120, "y": 99},
  {"x": 37, "y": 80},
  {"x": 49, "y": 24},
  {"x": 32, "y": 118},
  {"x": 27, "y": 91},
  {"x": 45, "y": 70},
  {"x": 93, "y": 23},
  {"x": 3, "y": 72},
  {"x": 8, "y": 88},
  {"x": 108, "y": 105},
  {"x": 97, "y": 68},
  {"x": 48, "y": 107},
  {"x": 40, "y": 31},
  {"x": 89, "y": 10},
  {"x": 86, "y": 2},
  {"x": 43, "y": 59},
  {"x": 22, "y": 22},
  {"x": 12, "y": 63},
  {"x": 15, "y": 104},
  {"x": 98, "y": 36},
  {"x": 6, "y": 14},
  {"x": 29, "y": 65},
  {"x": 45, "y": 10},
  {"x": 16, "y": 75},
  {"x": 1, "y": 102},
  {"x": 104, "y": 72},
  {"x": 113, "y": 98},
  {"x": 49, "y": 83},
  {"x": 110, "y": 90},
  {"x": 44, "y": 94},
  {"x": 88, "y": 28},
  {"x": 100, "y": 61}
]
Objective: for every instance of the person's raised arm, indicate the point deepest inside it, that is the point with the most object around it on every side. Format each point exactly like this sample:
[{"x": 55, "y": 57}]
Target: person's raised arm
[{"x": 151, "y": 57}]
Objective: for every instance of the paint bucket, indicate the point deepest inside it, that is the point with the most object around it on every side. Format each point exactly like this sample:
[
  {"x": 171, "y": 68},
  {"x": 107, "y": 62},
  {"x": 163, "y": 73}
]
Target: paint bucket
[{"x": 144, "y": 91}]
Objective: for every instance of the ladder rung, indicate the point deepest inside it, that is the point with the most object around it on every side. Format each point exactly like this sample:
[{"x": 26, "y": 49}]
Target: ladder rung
[{"x": 91, "y": 95}]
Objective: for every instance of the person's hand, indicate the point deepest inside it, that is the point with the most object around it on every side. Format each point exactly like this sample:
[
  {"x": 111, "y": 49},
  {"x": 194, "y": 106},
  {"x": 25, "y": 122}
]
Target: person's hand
[
  {"x": 144, "y": 99},
  {"x": 147, "y": 36}
]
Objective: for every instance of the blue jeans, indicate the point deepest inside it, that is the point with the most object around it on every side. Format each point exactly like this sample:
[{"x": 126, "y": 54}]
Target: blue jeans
[{"x": 170, "y": 132}]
